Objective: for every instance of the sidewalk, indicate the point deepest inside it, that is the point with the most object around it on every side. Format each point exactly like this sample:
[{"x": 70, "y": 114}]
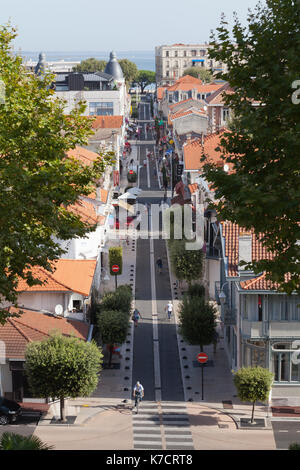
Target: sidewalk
[{"x": 219, "y": 390}]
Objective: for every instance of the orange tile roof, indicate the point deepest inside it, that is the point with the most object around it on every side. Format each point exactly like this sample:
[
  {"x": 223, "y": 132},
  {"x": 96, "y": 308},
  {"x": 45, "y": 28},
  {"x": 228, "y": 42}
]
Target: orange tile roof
[
  {"x": 85, "y": 211},
  {"x": 180, "y": 102},
  {"x": 36, "y": 326},
  {"x": 85, "y": 156},
  {"x": 217, "y": 97},
  {"x": 231, "y": 232},
  {"x": 107, "y": 122},
  {"x": 180, "y": 114},
  {"x": 70, "y": 275},
  {"x": 188, "y": 83},
  {"x": 194, "y": 151}
]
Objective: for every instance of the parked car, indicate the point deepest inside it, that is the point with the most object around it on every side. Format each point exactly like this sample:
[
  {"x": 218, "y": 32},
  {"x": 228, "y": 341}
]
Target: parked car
[{"x": 9, "y": 411}]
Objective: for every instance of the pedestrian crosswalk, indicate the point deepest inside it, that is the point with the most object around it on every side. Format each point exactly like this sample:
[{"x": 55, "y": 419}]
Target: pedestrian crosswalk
[
  {"x": 161, "y": 426},
  {"x": 147, "y": 427}
]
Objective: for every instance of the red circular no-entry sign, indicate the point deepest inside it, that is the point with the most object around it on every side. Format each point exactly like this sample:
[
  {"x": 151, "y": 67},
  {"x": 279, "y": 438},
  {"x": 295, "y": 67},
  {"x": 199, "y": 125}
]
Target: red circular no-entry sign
[
  {"x": 115, "y": 268},
  {"x": 202, "y": 358}
]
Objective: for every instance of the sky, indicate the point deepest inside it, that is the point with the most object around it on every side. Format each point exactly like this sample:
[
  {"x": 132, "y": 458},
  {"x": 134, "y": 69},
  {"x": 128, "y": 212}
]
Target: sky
[{"x": 100, "y": 25}]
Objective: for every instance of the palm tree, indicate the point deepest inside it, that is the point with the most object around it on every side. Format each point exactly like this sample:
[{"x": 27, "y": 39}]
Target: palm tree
[{"x": 12, "y": 441}]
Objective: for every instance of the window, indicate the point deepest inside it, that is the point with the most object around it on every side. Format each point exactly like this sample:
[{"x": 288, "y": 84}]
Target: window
[
  {"x": 167, "y": 73},
  {"x": 284, "y": 368},
  {"x": 77, "y": 305},
  {"x": 184, "y": 53},
  {"x": 176, "y": 54},
  {"x": 168, "y": 63},
  {"x": 176, "y": 63},
  {"x": 167, "y": 54},
  {"x": 225, "y": 114},
  {"x": 202, "y": 52},
  {"x": 101, "y": 109},
  {"x": 194, "y": 53},
  {"x": 185, "y": 64},
  {"x": 259, "y": 308}
]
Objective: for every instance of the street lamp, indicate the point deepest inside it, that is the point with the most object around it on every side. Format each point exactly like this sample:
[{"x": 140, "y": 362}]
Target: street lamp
[{"x": 222, "y": 295}]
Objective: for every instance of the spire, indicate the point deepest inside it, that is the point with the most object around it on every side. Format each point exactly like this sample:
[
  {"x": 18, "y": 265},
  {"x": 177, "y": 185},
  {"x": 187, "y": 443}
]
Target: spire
[
  {"x": 113, "y": 67},
  {"x": 41, "y": 65}
]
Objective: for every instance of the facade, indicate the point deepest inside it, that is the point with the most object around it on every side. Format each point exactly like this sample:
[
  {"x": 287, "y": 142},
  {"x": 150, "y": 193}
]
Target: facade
[
  {"x": 105, "y": 93},
  {"x": 261, "y": 325},
  {"x": 16, "y": 333},
  {"x": 171, "y": 61}
]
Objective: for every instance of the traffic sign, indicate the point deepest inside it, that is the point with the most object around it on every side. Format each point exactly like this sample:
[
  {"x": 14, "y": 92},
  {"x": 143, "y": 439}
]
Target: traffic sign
[
  {"x": 115, "y": 268},
  {"x": 202, "y": 358}
]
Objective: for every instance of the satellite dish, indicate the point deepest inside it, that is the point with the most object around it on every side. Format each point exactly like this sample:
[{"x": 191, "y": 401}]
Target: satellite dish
[{"x": 59, "y": 309}]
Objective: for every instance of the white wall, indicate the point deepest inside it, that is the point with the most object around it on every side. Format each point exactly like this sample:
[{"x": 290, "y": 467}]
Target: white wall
[
  {"x": 115, "y": 96},
  {"x": 191, "y": 123},
  {"x": 5, "y": 379},
  {"x": 42, "y": 300}
]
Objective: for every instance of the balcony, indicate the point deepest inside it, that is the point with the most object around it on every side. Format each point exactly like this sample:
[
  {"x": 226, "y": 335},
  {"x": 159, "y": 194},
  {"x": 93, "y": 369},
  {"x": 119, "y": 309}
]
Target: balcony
[
  {"x": 252, "y": 329},
  {"x": 284, "y": 329},
  {"x": 228, "y": 315}
]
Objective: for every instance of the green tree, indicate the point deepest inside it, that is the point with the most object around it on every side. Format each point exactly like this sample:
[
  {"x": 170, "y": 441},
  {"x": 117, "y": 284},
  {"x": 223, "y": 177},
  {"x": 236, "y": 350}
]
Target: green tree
[
  {"x": 62, "y": 367},
  {"x": 198, "y": 72},
  {"x": 12, "y": 441},
  {"x": 197, "y": 323},
  {"x": 119, "y": 300},
  {"x": 115, "y": 255},
  {"x": 263, "y": 192},
  {"x": 145, "y": 78},
  {"x": 90, "y": 65},
  {"x": 129, "y": 69},
  {"x": 253, "y": 384},
  {"x": 186, "y": 264},
  {"x": 38, "y": 182},
  {"x": 113, "y": 327}
]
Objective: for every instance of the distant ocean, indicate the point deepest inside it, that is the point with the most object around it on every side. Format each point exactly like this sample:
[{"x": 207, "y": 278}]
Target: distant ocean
[{"x": 144, "y": 60}]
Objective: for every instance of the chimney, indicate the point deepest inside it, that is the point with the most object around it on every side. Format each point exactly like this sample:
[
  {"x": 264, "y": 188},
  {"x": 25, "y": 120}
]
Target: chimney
[{"x": 245, "y": 249}]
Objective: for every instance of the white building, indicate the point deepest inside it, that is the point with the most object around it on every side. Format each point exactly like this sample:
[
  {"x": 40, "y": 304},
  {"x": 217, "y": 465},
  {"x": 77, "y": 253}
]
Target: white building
[{"x": 172, "y": 60}]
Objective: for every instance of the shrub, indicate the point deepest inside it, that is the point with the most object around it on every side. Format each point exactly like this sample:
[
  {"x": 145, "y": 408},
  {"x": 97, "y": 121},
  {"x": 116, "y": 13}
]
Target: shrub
[
  {"x": 131, "y": 177},
  {"x": 196, "y": 290},
  {"x": 119, "y": 300},
  {"x": 113, "y": 327},
  {"x": 115, "y": 257}
]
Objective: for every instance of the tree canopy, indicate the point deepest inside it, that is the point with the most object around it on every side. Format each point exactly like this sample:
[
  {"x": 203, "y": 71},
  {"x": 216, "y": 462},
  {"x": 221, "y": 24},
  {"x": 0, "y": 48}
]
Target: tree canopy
[
  {"x": 38, "y": 182},
  {"x": 62, "y": 367},
  {"x": 197, "y": 321},
  {"x": 199, "y": 72},
  {"x": 129, "y": 69},
  {"x": 90, "y": 65},
  {"x": 145, "y": 78},
  {"x": 263, "y": 191},
  {"x": 253, "y": 384}
]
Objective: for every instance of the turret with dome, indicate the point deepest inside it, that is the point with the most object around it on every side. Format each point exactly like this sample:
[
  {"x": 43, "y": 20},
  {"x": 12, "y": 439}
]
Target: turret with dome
[{"x": 114, "y": 68}]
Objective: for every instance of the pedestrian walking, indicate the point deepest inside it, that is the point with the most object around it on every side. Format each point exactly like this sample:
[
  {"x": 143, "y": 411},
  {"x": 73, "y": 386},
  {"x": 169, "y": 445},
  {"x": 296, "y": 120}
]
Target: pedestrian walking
[
  {"x": 216, "y": 340},
  {"x": 169, "y": 309},
  {"x": 159, "y": 264},
  {"x": 136, "y": 316}
]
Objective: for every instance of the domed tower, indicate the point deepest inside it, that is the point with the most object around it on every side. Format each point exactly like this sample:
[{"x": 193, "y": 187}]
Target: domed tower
[
  {"x": 114, "y": 68},
  {"x": 41, "y": 65}
]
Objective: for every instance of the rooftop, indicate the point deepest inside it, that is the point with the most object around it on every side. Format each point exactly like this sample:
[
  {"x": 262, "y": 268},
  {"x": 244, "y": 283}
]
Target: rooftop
[
  {"x": 70, "y": 275},
  {"x": 36, "y": 326}
]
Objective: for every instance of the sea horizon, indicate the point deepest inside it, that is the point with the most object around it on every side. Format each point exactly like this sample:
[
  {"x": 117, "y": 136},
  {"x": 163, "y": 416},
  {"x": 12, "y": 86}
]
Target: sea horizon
[{"x": 144, "y": 60}]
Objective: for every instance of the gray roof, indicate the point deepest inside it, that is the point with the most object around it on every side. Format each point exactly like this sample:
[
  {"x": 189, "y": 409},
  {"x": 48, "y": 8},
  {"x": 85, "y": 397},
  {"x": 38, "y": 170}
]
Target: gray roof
[{"x": 113, "y": 67}]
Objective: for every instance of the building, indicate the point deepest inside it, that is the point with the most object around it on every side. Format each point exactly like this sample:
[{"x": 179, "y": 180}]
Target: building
[
  {"x": 172, "y": 60},
  {"x": 58, "y": 66},
  {"x": 17, "y": 333},
  {"x": 104, "y": 93},
  {"x": 261, "y": 325}
]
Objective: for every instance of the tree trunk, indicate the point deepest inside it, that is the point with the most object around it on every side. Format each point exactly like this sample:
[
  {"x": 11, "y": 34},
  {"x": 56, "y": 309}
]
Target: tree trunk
[
  {"x": 201, "y": 348},
  {"x": 62, "y": 409},
  {"x": 252, "y": 417},
  {"x": 111, "y": 348}
]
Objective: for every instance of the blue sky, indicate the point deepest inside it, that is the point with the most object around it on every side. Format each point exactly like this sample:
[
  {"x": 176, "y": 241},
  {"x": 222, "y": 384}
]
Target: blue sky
[{"x": 100, "y": 25}]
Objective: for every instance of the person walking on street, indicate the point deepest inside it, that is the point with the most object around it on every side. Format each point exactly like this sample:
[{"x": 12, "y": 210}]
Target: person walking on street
[
  {"x": 136, "y": 316},
  {"x": 138, "y": 393},
  {"x": 159, "y": 264},
  {"x": 169, "y": 309}
]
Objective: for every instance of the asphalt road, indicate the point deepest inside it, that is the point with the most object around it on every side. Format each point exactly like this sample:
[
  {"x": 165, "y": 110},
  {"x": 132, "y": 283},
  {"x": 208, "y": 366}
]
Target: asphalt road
[
  {"x": 143, "y": 362},
  {"x": 286, "y": 432}
]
